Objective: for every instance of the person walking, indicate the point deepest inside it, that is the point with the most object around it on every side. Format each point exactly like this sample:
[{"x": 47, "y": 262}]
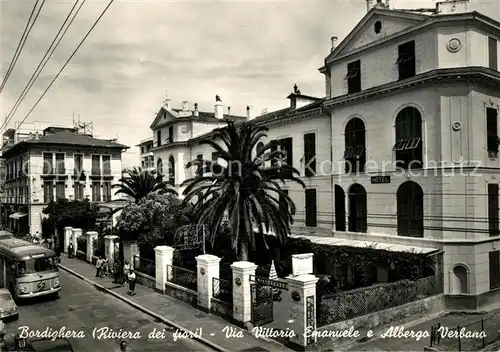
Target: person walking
[
  {"x": 131, "y": 282},
  {"x": 71, "y": 250},
  {"x": 123, "y": 347},
  {"x": 126, "y": 269},
  {"x": 98, "y": 266}
]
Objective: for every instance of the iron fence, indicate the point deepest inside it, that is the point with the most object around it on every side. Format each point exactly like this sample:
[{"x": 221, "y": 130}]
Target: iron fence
[
  {"x": 347, "y": 305},
  {"x": 145, "y": 266},
  {"x": 222, "y": 290},
  {"x": 474, "y": 336},
  {"x": 82, "y": 244},
  {"x": 182, "y": 277},
  {"x": 81, "y": 255}
]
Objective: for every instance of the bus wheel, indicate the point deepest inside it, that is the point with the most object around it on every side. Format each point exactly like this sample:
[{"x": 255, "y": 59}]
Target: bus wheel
[{"x": 55, "y": 295}]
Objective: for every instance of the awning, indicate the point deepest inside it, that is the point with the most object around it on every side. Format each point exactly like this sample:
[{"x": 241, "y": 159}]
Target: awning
[
  {"x": 17, "y": 215},
  {"x": 332, "y": 241}
]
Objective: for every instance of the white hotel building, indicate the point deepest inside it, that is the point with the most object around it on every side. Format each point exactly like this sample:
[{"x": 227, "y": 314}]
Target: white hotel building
[{"x": 419, "y": 90}]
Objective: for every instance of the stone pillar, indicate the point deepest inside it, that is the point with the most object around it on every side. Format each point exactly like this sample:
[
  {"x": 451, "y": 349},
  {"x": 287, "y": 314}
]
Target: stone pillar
[
  {"x": 68, "y": 232},
  {"x": 242, "y": 300},
  {"x": 130, "y": 250},
  {"x": 302, "y": 296},
  {"x": 109, "y": 247},
  {"x": 164, "y": 255},
  {"x": 91, "y": 236},
  {"x": 76, "y": 233},
  {"x": 208, "y": 268}
]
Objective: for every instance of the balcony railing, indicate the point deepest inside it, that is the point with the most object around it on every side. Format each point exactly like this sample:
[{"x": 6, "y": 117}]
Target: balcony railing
[
  {"x": 12, "y": 199},
  {"x": 96, "y": 172},
  {"x": 106, "y": 171}
]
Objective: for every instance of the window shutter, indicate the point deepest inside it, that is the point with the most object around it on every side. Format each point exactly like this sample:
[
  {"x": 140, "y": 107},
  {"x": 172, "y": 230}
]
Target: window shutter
[
  {"x": 493, "y": 218},
  {"x": 311, "y": 213},
  {"x": 493, "y": 53},
  {"x": 494, "y": 263}
]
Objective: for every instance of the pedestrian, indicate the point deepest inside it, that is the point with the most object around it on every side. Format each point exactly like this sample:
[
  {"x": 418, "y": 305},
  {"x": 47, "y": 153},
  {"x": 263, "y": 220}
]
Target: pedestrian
[
  {"x": 123, "y": 347},
  {"x": 126, "y": 269},
  {"x": 104, "y": 267},
  {"x": 131, "y": 282},
  {"x": 98, "y": 266},
  {"x": 117, "y": 271},
  {"x": 71, "y": 250}
]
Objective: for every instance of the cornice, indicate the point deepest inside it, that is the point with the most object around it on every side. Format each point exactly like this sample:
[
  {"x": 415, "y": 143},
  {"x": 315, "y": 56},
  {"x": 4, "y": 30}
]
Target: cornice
[
  {"x": 170, "y": 145},
  {"x": 469, "y": 74}
]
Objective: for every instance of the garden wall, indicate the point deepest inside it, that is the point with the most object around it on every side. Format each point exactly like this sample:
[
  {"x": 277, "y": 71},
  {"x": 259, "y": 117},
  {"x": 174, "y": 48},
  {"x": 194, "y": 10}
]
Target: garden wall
[
  {"x": 182, "y": 294},
  {"x": 146, "y": 280},
  {"x": 220, "y": 308}
]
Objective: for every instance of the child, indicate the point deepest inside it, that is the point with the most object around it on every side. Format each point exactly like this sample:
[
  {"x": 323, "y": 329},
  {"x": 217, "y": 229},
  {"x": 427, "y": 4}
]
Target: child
[{"x": 131, "y": 282}]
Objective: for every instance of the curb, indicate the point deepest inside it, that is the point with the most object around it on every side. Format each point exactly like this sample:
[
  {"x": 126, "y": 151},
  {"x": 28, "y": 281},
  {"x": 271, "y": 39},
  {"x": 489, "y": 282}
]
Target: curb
[{"x": 167, "y": 322}]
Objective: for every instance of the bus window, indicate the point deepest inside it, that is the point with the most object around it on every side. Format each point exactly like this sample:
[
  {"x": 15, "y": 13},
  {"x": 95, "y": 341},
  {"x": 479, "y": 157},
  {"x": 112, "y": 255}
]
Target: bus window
[{"x": 36, "y": 265}]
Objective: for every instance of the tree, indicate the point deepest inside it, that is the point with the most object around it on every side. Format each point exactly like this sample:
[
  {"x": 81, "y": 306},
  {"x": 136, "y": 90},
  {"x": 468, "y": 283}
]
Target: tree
[
  {"x": 154, "y": 220},
  {"x": 75, "y": 213},
  {"x": 242, "y": 189},
  {"x": 140, "y": 183}
]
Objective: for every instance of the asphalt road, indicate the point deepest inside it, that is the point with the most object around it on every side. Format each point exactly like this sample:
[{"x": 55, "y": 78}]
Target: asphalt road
[{"x": 81, "y": 307}]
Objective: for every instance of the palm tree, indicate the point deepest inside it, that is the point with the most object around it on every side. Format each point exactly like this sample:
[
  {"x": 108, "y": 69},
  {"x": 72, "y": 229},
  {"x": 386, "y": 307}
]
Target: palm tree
[
  {"x": 140, "y": 183},
  {"x": 244, "y": 192}
]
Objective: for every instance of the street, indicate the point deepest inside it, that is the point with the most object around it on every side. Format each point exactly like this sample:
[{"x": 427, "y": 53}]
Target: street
[{"x": 82, "y": 308}]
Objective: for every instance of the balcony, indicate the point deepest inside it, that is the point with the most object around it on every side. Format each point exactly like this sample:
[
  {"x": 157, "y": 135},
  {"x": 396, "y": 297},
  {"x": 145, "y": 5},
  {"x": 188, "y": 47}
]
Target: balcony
[
  {"x": 95, "y": 173},
  {"x": 15, "y": 200},
  {"x": 59, "y": 172}
]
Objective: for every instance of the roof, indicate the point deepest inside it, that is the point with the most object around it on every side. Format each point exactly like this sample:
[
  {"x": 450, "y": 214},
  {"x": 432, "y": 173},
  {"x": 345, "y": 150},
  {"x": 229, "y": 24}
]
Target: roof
[
  {"x": 18, "y": 248},
  {"x": 69, "y": 138},
  {"x": 202, "y": 116}
]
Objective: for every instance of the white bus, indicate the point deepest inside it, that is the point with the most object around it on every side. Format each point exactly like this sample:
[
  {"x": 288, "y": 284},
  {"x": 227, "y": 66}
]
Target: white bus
[{"x": 26, "y": 269}]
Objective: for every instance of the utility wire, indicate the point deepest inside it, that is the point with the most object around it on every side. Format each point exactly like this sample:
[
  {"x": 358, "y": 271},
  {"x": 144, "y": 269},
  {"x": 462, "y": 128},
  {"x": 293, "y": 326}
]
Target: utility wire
[
  {"x": 48, "y": 54},
  {"x": 22, "y": 41},
  {"x": 67, "y": 62}
]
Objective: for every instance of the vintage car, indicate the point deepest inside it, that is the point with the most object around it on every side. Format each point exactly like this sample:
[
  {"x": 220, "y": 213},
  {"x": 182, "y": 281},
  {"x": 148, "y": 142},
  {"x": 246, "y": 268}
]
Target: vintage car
[{"x": 8, "y": 308}]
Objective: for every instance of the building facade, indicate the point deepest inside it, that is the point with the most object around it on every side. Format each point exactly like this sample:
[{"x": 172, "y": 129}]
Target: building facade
[
  {"x": 59, "y": 163},
  {"x": 414, "y": 101},
  {"x": 146, "y": 155}
]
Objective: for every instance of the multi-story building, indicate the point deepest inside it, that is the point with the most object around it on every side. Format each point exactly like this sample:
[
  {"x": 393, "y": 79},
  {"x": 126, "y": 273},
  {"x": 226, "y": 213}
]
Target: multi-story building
[
  {"x": 59, "y": 163},
  {"x": 414, "y": 101},
  {"x": 146, "y": 155}
]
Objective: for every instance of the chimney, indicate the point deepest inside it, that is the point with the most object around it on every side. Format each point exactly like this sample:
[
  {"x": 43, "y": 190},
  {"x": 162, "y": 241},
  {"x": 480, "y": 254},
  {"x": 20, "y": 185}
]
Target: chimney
[
  {"x": 196, "y": 111},
  {"x": 369, "y": 5},
  {"x": 249, "y": 113},
  {"x": 218, "y": 108},
  {"x": 228, "y": 111},
  {"x": 185, "y": 105},
  {"x": 334, "y": 42}
]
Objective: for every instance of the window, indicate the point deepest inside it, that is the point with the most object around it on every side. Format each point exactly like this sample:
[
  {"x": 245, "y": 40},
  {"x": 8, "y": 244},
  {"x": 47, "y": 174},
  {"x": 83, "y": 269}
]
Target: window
[
  {"x": 106, "y": 164},
  {"x": 406, "y": 60},
  {"x": 216, "y": 168},
  {"x": 310, "y": 154},
  {"x": 339, "y": 208},
  {"x": 353, "y": 77},
  {"x": 142, "y": 150},
  {"x": 355, "y": 146},
  {"x": 410, "y": 210},
  {"x": 493, "y": 53},
  {"x": 494, "y": 262},
  {"x": 60, "y": 170},
  {"x": 171, "y": 170},
  {"x": 409, "y": 144},
  {"x": 493, "y": 141},
  {"x": 78, "y": 159},
  {"x": 96, "y": 191},
  {"x": 106, "y": 197},
  {"x": 79, "y": 189},
  {"x": 311, "y": 214},
  {"x": 274, "y": 147},
  {"x": 60, "y": 190},
  {"x": 493, "y": 216},
  {"x": 377, "y": 27},
  {"x": 96, "y": 164},
  {"x": 285, "y": 146},
  {"x": 48, "y": 166},
  {"x": 357, "y": 209},
  {"x": 159, "y": 169},
  {"x": 143, "y": 165},
  {"x": 158, "y": 138},
  {"x": 283, "y": 203},
  {"x": 48, "y": 191},
  {"x": 171, "y": 134},
  {"x": 199, "y": 165}
]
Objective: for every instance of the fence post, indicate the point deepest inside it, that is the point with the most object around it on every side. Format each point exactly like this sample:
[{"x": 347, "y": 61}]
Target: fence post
[
  {"x": 68, "y": 231},
  {"x": 302, "y": 296},
  {"x": 482, "y": 329},
  {"x": 109, "y": 247},
  {"x": 91, "y": 236},
  {"x": 164, "y": 256},
  {"x": 242, "y": 299},
  {"x": 208, "y": 268},
  {"x": 74, "y": 236},
  {"x": 459, "y": 341}
]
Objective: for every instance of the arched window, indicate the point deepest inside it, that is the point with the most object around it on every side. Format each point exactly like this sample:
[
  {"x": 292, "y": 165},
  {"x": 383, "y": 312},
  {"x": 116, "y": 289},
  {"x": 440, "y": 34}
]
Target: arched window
[
  {"x": 410, "y": 204},
  {"x": 409, "y": 144},
  {"x": 159, "y": 168},
  {"x": 259, "y": 148},
  {"x": 355, "y": 146},
  {"x": 357, "y": 209},
  {"x": 459, "y": 280},
  {"x": 339, "y": 208},
  {"x": 171, "y": 170}
]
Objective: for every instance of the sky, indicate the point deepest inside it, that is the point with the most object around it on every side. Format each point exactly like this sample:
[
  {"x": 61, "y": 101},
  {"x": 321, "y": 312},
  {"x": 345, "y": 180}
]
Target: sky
[{"x": 247, "y": 52}]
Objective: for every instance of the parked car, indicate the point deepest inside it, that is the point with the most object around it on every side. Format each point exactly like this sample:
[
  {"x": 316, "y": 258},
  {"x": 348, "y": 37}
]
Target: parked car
[
  {"x": 8, "y": 308},
  {"x": 40, "y": 345}
]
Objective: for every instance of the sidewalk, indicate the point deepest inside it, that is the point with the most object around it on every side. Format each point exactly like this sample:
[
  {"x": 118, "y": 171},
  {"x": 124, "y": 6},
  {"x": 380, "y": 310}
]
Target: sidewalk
[{"x": 174, "y": 313}]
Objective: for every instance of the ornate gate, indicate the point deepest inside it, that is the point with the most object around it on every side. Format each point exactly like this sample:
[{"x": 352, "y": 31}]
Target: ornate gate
[{"x": 265, "y": 292}]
